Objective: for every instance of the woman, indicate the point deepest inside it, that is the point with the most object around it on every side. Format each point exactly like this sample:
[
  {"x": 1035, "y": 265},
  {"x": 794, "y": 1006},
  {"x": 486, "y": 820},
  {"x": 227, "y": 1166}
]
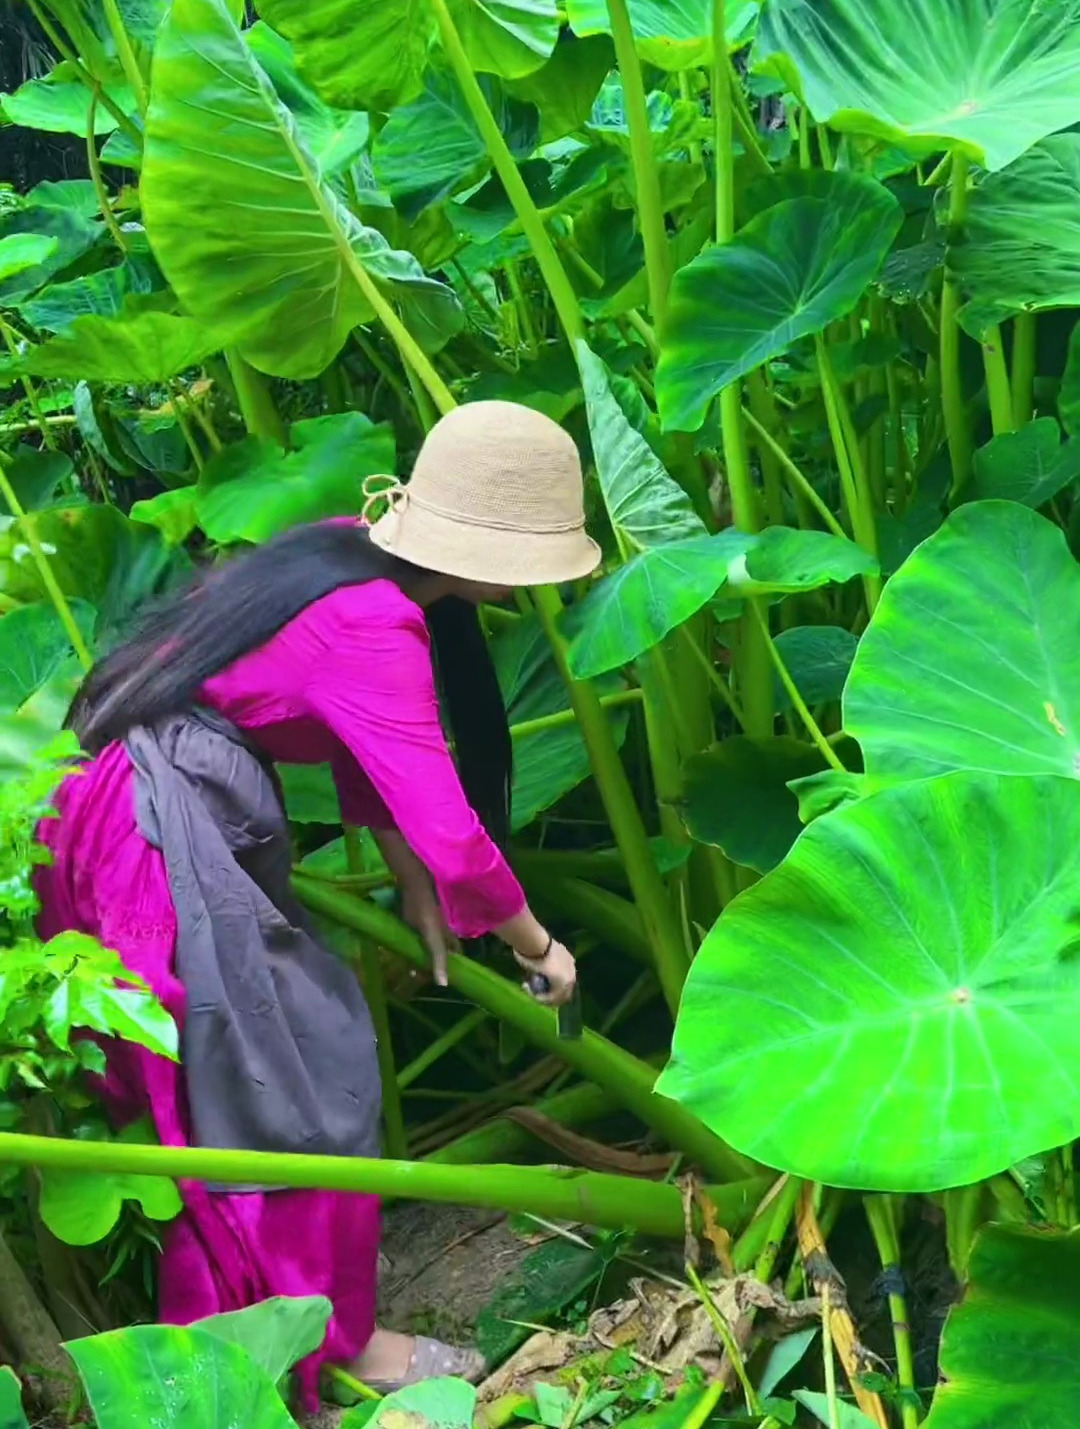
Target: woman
[{"x": 172, "y": 848}]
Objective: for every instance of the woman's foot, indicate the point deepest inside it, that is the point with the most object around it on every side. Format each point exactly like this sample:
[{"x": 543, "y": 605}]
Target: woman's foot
[{"x": 391, "y": 1361}]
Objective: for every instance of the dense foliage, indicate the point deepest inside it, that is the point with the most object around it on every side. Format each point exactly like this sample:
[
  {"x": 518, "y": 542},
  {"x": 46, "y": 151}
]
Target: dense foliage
[{"x": 801, "y": 280}]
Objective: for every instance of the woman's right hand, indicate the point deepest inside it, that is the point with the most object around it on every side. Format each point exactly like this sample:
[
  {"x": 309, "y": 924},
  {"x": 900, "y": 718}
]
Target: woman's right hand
[{"x": 558, "y": 967}]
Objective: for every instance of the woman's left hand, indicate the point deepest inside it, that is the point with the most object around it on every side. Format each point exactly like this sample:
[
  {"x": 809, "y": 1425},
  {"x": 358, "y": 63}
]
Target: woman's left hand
[{"x": 420, "y": 909}]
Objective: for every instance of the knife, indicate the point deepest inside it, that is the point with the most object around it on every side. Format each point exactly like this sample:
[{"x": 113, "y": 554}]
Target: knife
[{"x": 570, "y": 1021}]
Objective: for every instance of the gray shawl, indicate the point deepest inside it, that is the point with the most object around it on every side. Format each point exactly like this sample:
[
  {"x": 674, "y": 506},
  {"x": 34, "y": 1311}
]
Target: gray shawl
[{"x": 277, "y": 1044}]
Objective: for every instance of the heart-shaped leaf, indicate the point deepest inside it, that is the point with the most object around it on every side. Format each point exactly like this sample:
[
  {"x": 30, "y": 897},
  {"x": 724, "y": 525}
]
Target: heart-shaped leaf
[
  {"x": 818, "y": 658},
  {"x": 253, "y": 490},
  {"x": 100, "y": 294},
  {"x": 992, "y": 78},
  {"x": 33, "y": 647},
  {"x": 793, "y": 269},
  {"x": 1024, "y": 1292},
  {"x": 375, "y": 56},
  {"x": 19, "y": 251},
  {"x": 60, "y": 102},
  {"x": 1020, "y": 250},
  {"x": 82, "y": 1207},
  {"x": 275, "y": 1333},
  {"x": 65, "y": 222},
  {"x": 185, "y": 1378},
  {"x": 564, "y": 89},
  {"x": 1029, "y": 465},
  {"x": 736, "y": 797},
  {"x": 141, "y": 348},
  {"x": 432, "y": 1404},
  {"x": 783, "y": 559},
  {"x": 671, "y": 34},
  {"x": 970, "y": 660},
  {"x": 172, "y": 512},
  {"x": 270, "y": 253},
  {"x": 942, "y": 1005},
  {"x": 639, "y": 603}
]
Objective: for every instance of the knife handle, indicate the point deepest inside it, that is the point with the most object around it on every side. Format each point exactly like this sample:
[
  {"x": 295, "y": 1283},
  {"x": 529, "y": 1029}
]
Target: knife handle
[{"x": 539, "y": 984}]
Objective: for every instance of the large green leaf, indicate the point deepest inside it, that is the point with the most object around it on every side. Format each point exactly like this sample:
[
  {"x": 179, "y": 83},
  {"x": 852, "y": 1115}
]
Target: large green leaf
[
  {"x": 182, "y": 1378},
  {"x": 33, "y": 646},
  {"x": 641, "y": 602},
  {"x": 736, "y": 797},
  {"x": 82, "y": 1207},
  {"x": 19, "y": 251},
  {"x": 1029, "y": 465},
  {"x": 268, "y": 254},
  {"x": 102, "y": 293},
  {"x": 970, "y": 660},
  {"x": 140, "y": 348},
  {"x": 645, "y": 505},
  {"x": 276, "y": 1333},
  {"x": 818, "y": 658},
  {"x": 60, "y": 103},
  {"x": 672, "y": 34},
  {"x": 431, "y": 1404},
  {"x": 990, "y": 76},
  {"x": 335, "y": 137},
  {"x": 783, "y": 559},
  {"x": 1020, "y": 250},
  {"x": 374, "y": 56},
  {"x": 1024, "y": 1292},
  {"x": 565, "y": 88},
  {"x": 250, "y": 491},
  {"x": 548, "y": 1280},
  {"x": 793, "y": 269},
  {"x": 431, "y": 147},
  {"x": 73, "y": 230},
  {"x": 937, "y": 1005},
  {"x": 35, "y": 473}
]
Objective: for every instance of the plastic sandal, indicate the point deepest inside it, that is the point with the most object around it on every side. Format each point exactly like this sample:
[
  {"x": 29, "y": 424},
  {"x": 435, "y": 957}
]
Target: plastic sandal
[{"x": 431, "y": 1359}]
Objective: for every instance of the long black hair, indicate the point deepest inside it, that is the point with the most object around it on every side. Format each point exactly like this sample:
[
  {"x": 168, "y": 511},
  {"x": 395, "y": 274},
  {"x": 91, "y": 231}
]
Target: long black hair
[{"x": 238, "y": 606}]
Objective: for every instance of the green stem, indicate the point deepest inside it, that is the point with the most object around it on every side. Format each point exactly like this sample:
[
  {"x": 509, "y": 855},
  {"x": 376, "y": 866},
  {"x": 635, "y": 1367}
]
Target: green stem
[
  {"x": 963, "y": 1215},
  {"x": 385, "y": 371},
  {"x": 613, "y": 919},
  {"x": 998, "y": 390},
  {"x": 532, "y": 224},
  {"x": 176, "y": 398},
  {"x": 524, "y": 313},
  {"x": 827, "y": 1342},
  {"x": 594, "y": 1057},
  {"x": 45, "y": 571},
  {"x": 811, "y": 725},
  {"x": 1025, "y": 332},
  {"x": 29, "y": 388},
  {"x": 557, "y": 1193},
  {"x": 726, "y": 1338},
  {"x": 374, "y": 985},
  {"x": 880, "y": 1212},
  {"x": 702, "y": 1411},
  {"x": 957, "y": 423},
  {"x": 93, "y": 163},
  {"x": 853, "y": 477},
  {"x": 685, "y": 93},
  {"x": 526, "y": 728},
  {"x": 799, "y": 482},
  {"x": 506, "y": 1140},
  {"x": 65, "y": 51},
  {"x": 719, "y": 684},
  {"x": 439, "y": 1048},
  {"x": 424, "y": 408},
  {"x": 661, "y": 925},
  {"x": 128, "y": 61},
  {"x": 646, "y": 174},
  {"x": 255, "y": 400}
]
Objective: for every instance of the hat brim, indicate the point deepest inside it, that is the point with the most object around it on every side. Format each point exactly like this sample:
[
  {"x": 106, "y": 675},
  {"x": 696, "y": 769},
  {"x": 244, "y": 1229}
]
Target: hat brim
[{"x": 486, "y": 554}]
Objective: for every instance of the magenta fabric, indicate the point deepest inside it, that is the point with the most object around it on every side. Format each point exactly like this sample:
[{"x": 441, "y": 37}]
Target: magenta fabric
[{"x": 349, "y": 682}]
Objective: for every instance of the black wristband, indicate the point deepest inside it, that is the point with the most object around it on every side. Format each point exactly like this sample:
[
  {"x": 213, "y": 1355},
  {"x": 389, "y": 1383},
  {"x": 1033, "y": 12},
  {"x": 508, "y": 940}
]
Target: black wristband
[{"x": 542, "y": 956}]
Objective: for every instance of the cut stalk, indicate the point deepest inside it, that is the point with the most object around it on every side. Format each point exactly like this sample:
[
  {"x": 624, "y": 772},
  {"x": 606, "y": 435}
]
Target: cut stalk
[
  {"x": 646, "y": 174},
  {"x": 374, "y": 985},
  {"x": 532, "y": 224},
  {"x": 1025, "y": 332},
  {"x": 45, "y": 571},
  {"x": 954, "y": 411},
  {"x": 592, "y": 1056},
  {"x": 998, "y": 389},
  {"x": 557, "y": 1193},
  {"x": 661, "y": 925},
  {"x": 880, "y": 1212}
]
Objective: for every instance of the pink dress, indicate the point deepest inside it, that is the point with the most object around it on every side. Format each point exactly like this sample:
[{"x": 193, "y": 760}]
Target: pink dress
[{"x": 349, "y": 682}]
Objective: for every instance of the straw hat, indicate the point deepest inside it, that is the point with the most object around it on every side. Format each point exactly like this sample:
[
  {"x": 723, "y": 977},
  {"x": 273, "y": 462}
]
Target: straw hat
[{"x": 496, "y": 496}]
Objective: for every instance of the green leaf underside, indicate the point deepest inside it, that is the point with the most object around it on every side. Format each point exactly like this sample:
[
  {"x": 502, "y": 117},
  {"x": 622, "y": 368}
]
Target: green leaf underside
[
  {"x": 793, "y": 269},
  {"x": 1029, "y": 465},
  {"x": 992, "y": 76},
  {"x": 938, "y": 1004},
  {"x": 971, "y": 660},
  {"x": 1023, "y": 1293},
  {"x": 276, "y": 1333},
  {"x": 82, "y": 1207},
  {"x": 144, "y": 348},
  {"x": 671, "y": 34}
]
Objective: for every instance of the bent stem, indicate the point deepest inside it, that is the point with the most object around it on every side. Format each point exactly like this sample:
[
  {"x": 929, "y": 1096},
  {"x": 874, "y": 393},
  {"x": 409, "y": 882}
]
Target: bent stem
[
  {"x": 661, "y": 925},
  {"x": 646, "y": 175},
  {"x": 880, "y": 1212},
  {"x": 957, "y": 426},
  {"x": 45, "y": 571}
]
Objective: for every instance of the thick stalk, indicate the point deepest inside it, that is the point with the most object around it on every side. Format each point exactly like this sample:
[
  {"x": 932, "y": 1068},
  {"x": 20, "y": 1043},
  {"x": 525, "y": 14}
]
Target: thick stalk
[
  {"x": 593, "y": 1056},
  {"x": 132, "y": 73},
  {"x": 1025, "y": 332},
  {"x": 957, "y": 423},
  {"x": 963, "y": 1216},
  {"x": 880, "y": 1212},
  {"x": 853, "y": 478},
  {"x": 45, "y": 571},
  {"x": 557, "y": 1193},
  {"x": 255, "y": 401},
  {"x": 532, "y": 224},
  {"x": 374, "y": 985},
  {"x": 506, "y": 1140},
  {"x": 646, "y": 174},
  {"x": 661, "y": 925},
  {"x": 998, "y": 389}
]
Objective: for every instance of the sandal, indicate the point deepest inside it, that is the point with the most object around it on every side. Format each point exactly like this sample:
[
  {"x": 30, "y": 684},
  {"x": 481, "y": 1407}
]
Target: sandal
[{"x": 431, "y": 1359}]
